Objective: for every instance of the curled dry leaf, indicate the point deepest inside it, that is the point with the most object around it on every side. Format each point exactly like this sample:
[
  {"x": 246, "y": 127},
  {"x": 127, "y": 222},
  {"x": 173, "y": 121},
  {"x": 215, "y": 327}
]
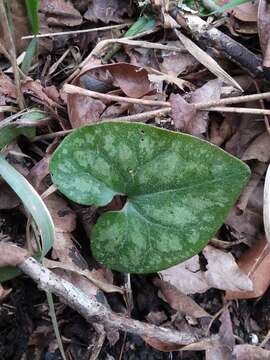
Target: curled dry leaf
[
  {"x": 132, "y": 80},
  {"x": 246, "y": 12},
  {"x": 222, "y": 273},
  {"x": 108, "y": 10},
  {"x": 183, "y": 114},
  {"x": 34, "y": 87},
  {"x": 264, "y": 26},
  {"x": 60, "y": 12},
  {"x": 7, "y": 89},
  {"x": 224, "y": 350},
  {"x": 179, "y": 301},
  {"x": 11, "y": 255},
  {"x": 255, "y": 262},
  {"x": 250, "y": 352},
  {"x": 259, "y": 149},
  {"x": 175, "y": 63}
]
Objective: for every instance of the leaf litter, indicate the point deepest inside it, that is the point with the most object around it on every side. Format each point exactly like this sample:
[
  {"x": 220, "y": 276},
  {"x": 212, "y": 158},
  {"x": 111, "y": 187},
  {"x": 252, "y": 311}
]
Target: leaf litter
[{"x": 186, "y": 294}]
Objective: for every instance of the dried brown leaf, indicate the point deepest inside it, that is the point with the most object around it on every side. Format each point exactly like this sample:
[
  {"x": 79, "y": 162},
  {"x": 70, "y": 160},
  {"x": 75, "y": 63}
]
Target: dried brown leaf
[
  {"x": 227, "y": 341},
  {"x": 60, "y": 12},
  {"x": 11, "y": 255},
  {"x": 7, "y": 87},
  {"x": 264, "y": 24},
  {"x": 132, "y": 80},
  {"x": 255, "y": 262},
  {"x": 108, "y": 10},
  {"x": 250, "y": 352},
  {"x": 246, "y": 12},
  {"x": 174, "y": 63},
  {"x": 222, "y": 273},
  {"x": 179, "y": 301},
  {"x": 184, "y": 114},
  {"x": 34, "y": 87},
  {"x": 259, "y": 149}
]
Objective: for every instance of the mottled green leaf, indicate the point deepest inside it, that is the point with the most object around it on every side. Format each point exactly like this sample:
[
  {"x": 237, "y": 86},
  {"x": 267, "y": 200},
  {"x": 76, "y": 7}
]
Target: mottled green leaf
[{"x": 179, "y": 190}]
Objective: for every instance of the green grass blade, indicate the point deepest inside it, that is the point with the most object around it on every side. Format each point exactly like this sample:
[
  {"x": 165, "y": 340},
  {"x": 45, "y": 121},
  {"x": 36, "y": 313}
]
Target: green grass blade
[
  {"x": 29, "y": 56},
  {"x": 35, "y": 206},
  {"x": 230, "y": 5},
  {"x": 32, "y": 7}
]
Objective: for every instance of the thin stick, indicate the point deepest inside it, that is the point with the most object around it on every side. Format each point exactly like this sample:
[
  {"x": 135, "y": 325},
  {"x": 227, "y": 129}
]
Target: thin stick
[
  {"x": 52, "y": 135},
  {"x": 239, "y": 110},
  {"x": 72, "y": 89},
  {"x": 75, "y": 32},
  {"x": 232, "y": 100},
  {"x": 4, "y": 108},
  {"x": 90, "y": 309}
]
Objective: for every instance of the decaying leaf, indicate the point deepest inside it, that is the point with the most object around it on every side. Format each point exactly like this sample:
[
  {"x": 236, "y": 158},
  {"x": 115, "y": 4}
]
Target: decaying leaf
[
  {"x": 131, "y": 79},
  {"x": 108, "y": 10},
  {"x": 207, "y": 60},
  {"x": 255, "y": 262},
  {"x": 224, "y": 350},
  {"x": 11, "y": 255},
  {"x": 60, "y": 12},
  {"x": 180, "y": 301},
  {"x": 264, "y": 26},
  {"x": 246, "y": 12},
  {"x": 259, "y": 149},
  {"x": 250, "y": 352},
  {"x": 222, "y": 273},
  {"x": 183, "y": 114}
]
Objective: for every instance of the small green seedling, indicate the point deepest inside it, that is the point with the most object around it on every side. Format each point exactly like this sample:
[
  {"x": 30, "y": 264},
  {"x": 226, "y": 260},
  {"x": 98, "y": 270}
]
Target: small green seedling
[{"x": 179, "y": 191}]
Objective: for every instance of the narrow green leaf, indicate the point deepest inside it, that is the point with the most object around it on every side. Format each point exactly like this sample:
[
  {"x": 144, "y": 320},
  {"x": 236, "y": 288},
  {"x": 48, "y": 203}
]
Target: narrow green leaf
[
  {"x": 29, "y": 56},
  {"x": 35, "y": 206},
  {"x": 11, "y": 130},
  {"x": 143, "y": 23},
  {"x": 230, "y": 5},
  {"x": 32, "y": 7},
  {"x": 179, "y": 191},
  {"x": 10, "y": 133}
]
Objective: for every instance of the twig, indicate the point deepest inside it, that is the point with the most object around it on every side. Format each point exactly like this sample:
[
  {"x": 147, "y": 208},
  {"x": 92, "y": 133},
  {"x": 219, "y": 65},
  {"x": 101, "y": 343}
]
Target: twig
[
  {"x": 75, "y": 32},
  {"x": 211, "y": 37},
  {"x": 232, "y": 100},
  {"x": 72, "y": 89},
  {"x": 11, "y": 52},
  {"x": 239, "y": 110},
  {"x": 266, "y": 119},
  {"x": 102, "y": 44},
  {"x": 90, "y": 309}
]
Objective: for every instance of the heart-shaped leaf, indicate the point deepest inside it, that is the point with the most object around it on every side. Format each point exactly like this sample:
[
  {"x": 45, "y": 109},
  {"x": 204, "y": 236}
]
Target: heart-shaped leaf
[{"x": 179, "y": 190}]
